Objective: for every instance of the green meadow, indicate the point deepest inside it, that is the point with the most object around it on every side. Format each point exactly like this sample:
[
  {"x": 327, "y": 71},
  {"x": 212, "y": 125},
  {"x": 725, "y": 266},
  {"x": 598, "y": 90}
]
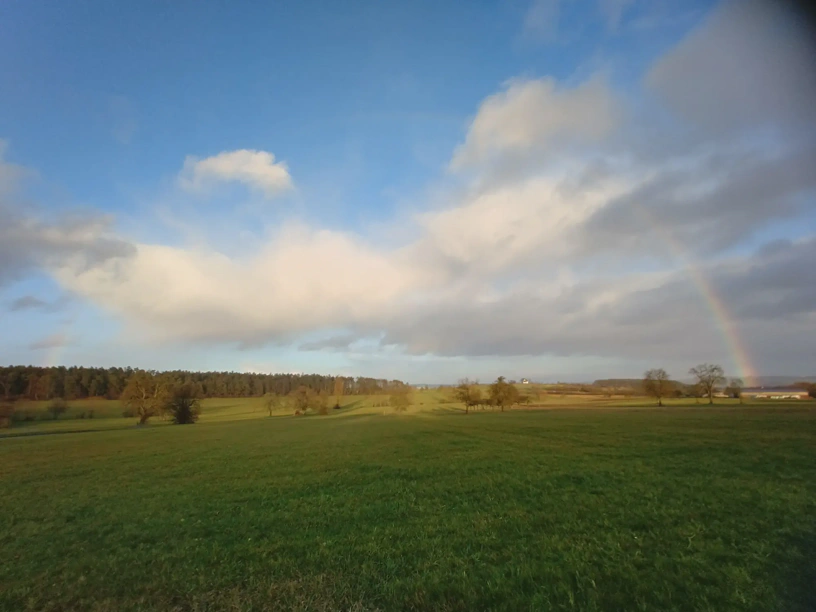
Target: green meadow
[{"x": 616, "y": 506}]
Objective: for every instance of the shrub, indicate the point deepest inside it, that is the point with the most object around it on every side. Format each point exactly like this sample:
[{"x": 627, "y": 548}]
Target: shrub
[
  {"x": 304, "y": 399},
  {"x": 183, "y": 405},
  {"x": 322, "y": 403},
  {"x": 6, "y": 415},
  {"x": 24, "y": 415},
  {"x": 400, "y": 399},
  {"x": 57, "y": 407}
]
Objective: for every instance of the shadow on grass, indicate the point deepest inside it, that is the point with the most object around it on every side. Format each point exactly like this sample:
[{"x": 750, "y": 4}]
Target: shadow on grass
[
  {"x": 347, "y": 408},
  {"x": 797, "y": 567},
  {"x": 55, "y": 432}
]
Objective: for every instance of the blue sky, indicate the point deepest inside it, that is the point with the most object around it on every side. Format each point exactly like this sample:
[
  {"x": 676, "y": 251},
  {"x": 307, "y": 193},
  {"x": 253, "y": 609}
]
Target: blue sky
[{"x": 418, "y": 190}]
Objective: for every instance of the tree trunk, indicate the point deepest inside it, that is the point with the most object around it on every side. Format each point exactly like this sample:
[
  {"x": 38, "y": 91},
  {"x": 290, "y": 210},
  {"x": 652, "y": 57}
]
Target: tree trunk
[{"x": 659, "y": 401}]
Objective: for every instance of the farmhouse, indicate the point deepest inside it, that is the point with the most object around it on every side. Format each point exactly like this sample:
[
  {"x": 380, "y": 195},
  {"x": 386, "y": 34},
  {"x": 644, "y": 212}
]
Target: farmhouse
[
  {"x": 775, "y": 393},
  {"x": 524, "y": 381}
]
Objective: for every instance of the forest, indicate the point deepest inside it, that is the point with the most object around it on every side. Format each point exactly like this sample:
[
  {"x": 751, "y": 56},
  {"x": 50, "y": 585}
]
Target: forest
[{"x": 44, "y": 383}]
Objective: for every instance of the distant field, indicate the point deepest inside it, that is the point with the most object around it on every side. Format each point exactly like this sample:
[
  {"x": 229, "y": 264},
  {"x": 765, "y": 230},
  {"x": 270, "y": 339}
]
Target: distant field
[
  {"x": 610, "y": 509},
  {"x": 107, "y": 414}
]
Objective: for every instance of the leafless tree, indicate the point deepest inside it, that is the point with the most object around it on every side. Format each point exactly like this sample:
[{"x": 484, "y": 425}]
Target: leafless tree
[
  {"x": 708, "y": 376},
  {"x": 469, "y": 393},
  {"x": 503, "y": 394},
  {"x": 272, "y": 401},
  {"x": 657, "y": 383},
  {"x": 145, "y": 394},
  {"x": 304, "y": 399},
  {"x": 401, "y": 398},
  {"x": 734, "y": 388},
  {"x": 6, "y": 414}
]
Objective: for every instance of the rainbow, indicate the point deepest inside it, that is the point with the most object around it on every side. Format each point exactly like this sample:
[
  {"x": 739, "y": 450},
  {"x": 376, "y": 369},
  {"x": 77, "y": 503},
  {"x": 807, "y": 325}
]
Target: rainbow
[
  {"x": 53, "y": 357},
  {"x": 740, "y": 356},
  {"x": 736, "y": 347}
]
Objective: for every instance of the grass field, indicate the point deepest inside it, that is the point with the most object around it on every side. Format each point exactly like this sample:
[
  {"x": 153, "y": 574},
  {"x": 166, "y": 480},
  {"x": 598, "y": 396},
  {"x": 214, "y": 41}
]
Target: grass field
[
  {"x": 107, "y": 414},
  {"x": 602, "y": 509}
]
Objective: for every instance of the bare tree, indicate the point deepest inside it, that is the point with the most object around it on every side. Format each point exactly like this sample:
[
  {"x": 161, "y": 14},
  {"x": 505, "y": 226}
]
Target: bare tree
[
  {"x": 339, "y": 387},
  {"x": 401, "y": 398},
  {"x": 708, "y": 376},
  {"x": 57, "y": 406},
  {"x": 145, "y": 394},
  {"x": 321, "y": 403},
  {"x": 6, "y": 414},
  {"x": 657, "y": 384},
  {"x": 734, "y": 388},
  {"x": 503, "y": 394},
  {"x": 305, "y": 399},
  {"x": 469, "y": 393},
  {"x": 272, "y": 402}
]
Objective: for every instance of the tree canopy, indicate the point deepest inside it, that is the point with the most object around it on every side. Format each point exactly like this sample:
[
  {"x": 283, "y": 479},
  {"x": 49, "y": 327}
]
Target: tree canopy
[
  {"x": 503, "y": 394},
  {"x": 469, "y": 393}
]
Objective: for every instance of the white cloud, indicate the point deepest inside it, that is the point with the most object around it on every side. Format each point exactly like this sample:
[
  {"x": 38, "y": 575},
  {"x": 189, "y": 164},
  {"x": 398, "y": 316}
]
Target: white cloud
[
  {"x": 537, "y": 116},
  {"x": 255, "y": 169},
  {"x": 301, "y": 280},
  {"x": 748, "y": 65},
  {"x": 497, "y": 229}
]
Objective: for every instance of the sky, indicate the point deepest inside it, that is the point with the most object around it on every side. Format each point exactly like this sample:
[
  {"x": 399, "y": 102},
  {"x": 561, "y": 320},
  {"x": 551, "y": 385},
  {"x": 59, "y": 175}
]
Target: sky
[{"x": 421, "y": 190}]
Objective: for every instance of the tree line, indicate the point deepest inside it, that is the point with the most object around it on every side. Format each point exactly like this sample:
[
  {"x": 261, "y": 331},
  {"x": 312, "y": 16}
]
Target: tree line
[
  {"x": 71, "y": 383},
  {"x": 709, "y": 379},
  {"x": 501, "y": 394}
]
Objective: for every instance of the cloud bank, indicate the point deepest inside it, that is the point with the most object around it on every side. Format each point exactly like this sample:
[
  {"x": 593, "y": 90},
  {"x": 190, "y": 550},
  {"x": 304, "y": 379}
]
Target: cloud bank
[{"x": 574, "y": 229}]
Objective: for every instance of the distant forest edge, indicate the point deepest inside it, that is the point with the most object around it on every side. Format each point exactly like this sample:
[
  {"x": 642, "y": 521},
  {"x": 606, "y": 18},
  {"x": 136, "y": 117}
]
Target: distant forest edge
[
  {"x": 757, "y": 381},
  {"x": 72, "y": 383},
  {"x": 39, "y": 383}
]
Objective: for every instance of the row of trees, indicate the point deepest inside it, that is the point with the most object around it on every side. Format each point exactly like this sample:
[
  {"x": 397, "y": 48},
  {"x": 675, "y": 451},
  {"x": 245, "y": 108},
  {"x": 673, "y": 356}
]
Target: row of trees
[
  {"x": 710, "y": 378},
  {"x": 148, "y": 394},
  {"x": 38, "y": 383},
  {"x": 501, "y": 394},
  {"x": 304, "y": 400}
]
